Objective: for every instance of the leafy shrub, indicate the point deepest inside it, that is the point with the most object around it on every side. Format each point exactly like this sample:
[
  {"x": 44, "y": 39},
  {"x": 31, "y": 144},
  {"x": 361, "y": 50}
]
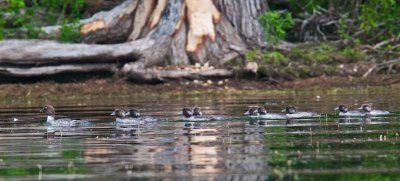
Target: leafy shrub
[
  {"x": 69, "y": 33},
  {"x": 16, "y": 4},
  {"x": 275, "y": 24},
  {"x": 2, "y": 23},
  {"x": 314, "y": 52},
  {"x": 251, "y": 55},
  {"x": 353, "y": 53},
  {"x": 384, "y": 14},
  {"x": 275, "y": 57},
  {"x": 21, "y": 20}
]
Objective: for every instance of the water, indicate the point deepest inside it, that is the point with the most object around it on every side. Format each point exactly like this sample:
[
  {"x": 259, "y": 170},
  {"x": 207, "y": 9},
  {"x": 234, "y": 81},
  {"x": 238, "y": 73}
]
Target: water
[{"x": 325, "y": 148}]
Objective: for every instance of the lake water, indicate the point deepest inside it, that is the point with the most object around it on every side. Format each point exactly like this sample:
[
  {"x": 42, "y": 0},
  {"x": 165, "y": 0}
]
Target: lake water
[{"x": 234, "y": 149}]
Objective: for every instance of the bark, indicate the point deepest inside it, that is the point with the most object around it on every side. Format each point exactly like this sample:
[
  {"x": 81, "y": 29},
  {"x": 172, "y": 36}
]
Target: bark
[
  {"x": 52, "y": 70},
  {"x": 154, "y": 75},
  {"x": 137, "y": 35}
]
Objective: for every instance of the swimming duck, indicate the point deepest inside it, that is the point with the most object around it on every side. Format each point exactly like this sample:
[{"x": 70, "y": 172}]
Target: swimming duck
[
  {"x": 252, "y": 112},
  {"x": 187, "y": 112},
  {"x": 195, "y": 114},
  {"x": 291, "y": 112},
  {"x": 264, "y": 114},
  {"x": 344, "y": 111},
  {"x": 50, "y": 111},
  {"x": 135, "y": 114},
  {"x": 367, "y": 109},
  {"x": 123, "y": 118}
]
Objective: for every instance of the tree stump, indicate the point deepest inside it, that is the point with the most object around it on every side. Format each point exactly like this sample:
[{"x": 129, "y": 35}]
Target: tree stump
[{"x": 137, "y": 35}]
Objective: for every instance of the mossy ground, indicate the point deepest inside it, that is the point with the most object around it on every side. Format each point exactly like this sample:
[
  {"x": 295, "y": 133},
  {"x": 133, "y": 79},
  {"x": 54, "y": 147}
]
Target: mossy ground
[{"x": 309, "y": 60}]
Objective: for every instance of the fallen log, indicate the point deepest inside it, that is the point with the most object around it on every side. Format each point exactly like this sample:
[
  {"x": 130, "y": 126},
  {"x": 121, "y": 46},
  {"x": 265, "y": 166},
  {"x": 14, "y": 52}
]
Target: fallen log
[
  {"x": 53, "y": 70},
  {"x": 153, "y": 75},
  {"x": 42, "y": 52}
]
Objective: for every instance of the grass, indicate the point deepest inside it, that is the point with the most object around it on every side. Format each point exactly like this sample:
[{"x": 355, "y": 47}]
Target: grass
[{"x": 305, "y": 60}]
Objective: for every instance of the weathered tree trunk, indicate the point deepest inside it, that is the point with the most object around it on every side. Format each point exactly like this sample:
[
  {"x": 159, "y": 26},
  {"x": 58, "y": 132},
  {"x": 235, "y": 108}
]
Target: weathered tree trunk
[{"x": 137, "y": 35}]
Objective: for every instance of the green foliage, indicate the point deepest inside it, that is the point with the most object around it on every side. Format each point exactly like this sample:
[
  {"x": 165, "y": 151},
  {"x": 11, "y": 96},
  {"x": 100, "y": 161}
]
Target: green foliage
[
  {"x": 304, "y": 60},
  {"x": 308, "y": 5},
  {"x": 20, "y": 20},
  {"x": 275, "y": 24},
  {"x": 69, "y": 33},
  {"x": 2, "y": 23},
  {"x": 16, "y": 4},
  {"x": 32, "y": 31},
  {"x": 380, "y": 13},
  {"x": 251, "y": 55},
  {"x": 372, "y": 21},
  {"x": 343, "y": 30},
  {"x": 73, "y": 6},
  {"x": 353, "y": 53},
  {"x": 275, "y": 57},
  {"x": 319, "y": 53}
]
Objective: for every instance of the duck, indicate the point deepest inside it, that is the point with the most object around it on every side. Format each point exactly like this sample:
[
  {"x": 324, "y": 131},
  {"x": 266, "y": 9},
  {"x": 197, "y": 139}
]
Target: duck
[
  {"x": 135, "y": 114},
  {"x": 195, "y": 114},
  {"x": 262, "y": 113},
  {"x": 367, "y": 109},
  {"x": 251, "y": 112},
  {"x": 63, "y": 122},
  {"x": 187, "y": 112},
  {"x": 344, "y": 111},
  {"x": 123, "y": 118},
  {"x": 291, "y": 112}
]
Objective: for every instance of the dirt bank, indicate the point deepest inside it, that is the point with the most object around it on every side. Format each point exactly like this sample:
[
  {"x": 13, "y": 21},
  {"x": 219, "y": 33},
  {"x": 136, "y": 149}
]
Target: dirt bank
[{"x": 109, "y": 87}]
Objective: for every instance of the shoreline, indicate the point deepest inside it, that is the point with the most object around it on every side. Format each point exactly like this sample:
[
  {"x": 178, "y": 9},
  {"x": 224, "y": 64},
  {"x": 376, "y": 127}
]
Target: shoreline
[{"x": 109, "y": 86}]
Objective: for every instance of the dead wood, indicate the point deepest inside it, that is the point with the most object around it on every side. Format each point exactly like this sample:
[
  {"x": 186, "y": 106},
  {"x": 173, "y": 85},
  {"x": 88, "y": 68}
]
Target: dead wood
[{"x": 139, "y": 34}]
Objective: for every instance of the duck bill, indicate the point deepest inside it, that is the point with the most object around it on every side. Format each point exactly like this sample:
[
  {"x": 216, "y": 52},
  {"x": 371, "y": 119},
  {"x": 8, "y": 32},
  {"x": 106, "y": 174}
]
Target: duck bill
[
  {"x": 283, "y": 110},
  {"x": 113, "y": 113},
  {"x": 337, "y": 109},
  {"x": 246, "y": 113}
]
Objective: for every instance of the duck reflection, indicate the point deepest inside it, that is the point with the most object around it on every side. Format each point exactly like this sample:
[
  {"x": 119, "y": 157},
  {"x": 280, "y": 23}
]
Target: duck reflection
[
  {"x": 191, "y": 149},
  {"x": 260, "y": 122},
  {"x": 127, "y": 130},
  {"x": 60, "y": 131},
  {"x": 361, "y": 120},
  {"x": 203, "y": 151},
  {"x": 127, "y": 127},
  {"x": 265, "y": 122}
]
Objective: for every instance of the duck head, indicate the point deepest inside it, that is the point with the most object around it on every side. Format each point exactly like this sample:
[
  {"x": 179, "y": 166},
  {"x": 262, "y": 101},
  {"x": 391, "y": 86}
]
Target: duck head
[
  {"x": 196, "y": 111},
  {"x": 342, "y": 108},
  {"x": 289, "y": 110},
  {"x": 261, "y": 110},
  {"x": 49, "y": 110},
  {"x": 251, "y": 112},
  {"x": 365, "y": 108},
  {"x": 119, "y": 113},
  {"x": 187, "y": 112},
  {"x": 133, "y": 113}
]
